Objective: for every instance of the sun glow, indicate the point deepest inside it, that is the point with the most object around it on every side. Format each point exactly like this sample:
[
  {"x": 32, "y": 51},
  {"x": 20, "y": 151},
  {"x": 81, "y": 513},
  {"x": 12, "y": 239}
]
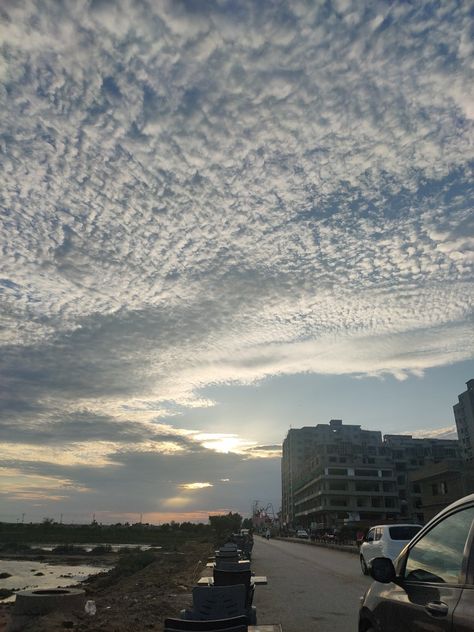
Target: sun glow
[
  {"x": 224, "y": 443},
  {"x": 196, "y": 485}
]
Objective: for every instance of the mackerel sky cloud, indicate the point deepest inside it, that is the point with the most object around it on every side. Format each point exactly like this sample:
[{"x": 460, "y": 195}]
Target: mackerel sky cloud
[{"x": 206, "y": 206}]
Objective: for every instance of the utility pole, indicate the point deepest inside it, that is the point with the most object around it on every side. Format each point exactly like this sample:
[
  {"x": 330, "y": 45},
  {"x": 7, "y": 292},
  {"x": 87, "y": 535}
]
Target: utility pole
[{"x": 22, "y": 518}]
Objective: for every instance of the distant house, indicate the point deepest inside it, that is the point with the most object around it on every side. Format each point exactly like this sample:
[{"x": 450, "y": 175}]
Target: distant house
[{"x": 442, "y": 483}]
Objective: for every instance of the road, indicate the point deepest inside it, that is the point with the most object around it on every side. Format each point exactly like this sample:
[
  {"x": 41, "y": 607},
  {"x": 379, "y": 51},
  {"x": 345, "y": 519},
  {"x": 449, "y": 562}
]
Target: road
[{"x": 310, "y": 588}]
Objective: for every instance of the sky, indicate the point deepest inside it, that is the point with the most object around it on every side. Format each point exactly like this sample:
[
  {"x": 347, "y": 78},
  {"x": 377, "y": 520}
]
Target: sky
[{"x": 220, "y": 220}]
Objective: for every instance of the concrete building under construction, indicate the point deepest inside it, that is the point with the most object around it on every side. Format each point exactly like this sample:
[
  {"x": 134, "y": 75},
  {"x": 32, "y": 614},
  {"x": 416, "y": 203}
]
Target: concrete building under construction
[{"x": 335, "y": 475}]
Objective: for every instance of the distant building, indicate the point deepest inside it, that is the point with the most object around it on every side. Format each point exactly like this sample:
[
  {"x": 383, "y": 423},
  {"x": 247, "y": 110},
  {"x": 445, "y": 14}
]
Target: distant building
[
  {"x": 442, "y": 483},
  {"x": 297, "y": 449},
  {"x": 335, "y": 474},
  {"x": 347, "y": 480},
  {"x": 409, "y": 454},
  {"x": 464, "y": 416}
]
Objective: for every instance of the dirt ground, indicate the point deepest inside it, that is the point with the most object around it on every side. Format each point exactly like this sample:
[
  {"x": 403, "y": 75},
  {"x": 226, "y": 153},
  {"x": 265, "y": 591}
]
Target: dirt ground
[{"x": 138, "y": 602}]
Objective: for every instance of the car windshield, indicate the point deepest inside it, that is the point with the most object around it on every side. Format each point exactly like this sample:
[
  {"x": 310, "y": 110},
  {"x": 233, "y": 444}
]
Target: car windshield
[{"x": 403, "y": 532}]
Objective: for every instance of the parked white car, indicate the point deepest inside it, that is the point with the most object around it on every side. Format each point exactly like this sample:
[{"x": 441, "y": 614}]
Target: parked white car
[
  {"x": 386, "y": 540},
  {"x": 302, "y": 533}
]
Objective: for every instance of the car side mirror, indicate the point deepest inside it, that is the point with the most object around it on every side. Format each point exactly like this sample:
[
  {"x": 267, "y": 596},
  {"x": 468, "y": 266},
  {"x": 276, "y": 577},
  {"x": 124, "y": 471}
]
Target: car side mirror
[{"x": 382, "y": 570}]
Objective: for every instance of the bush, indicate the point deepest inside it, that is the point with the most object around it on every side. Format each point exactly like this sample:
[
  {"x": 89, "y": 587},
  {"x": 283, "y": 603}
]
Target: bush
[
  {"x": 132, "y": 562},
  {"x": 15, "y": 547},
  {"x": 68, "y": 549}
]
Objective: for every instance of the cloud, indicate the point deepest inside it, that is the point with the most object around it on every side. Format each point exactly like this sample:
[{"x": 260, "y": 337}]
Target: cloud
[
  {"x": 210, "y": 193},
  {"x": 449, "y": 432},
  {"x": 142, "y": 482}
]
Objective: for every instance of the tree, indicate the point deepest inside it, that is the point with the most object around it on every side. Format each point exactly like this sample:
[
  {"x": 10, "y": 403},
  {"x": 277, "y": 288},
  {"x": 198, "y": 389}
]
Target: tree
[
  {"x": 226, "y": 524},
  {"x": 247, "y": 523}
]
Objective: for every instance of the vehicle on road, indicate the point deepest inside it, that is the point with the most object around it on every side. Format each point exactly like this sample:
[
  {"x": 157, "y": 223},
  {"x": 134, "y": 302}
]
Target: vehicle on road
[
  {"x": 302, "y": 533},
  {"x": 431, "y": 584},
  {"x": 385, "y": 541}
]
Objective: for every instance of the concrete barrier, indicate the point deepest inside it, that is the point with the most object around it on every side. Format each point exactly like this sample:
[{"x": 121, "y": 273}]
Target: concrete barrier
[
  {"x": 348, "y": 548},
  {"x": 42, "y": 601},
  {"x": 30, "y": 604}
]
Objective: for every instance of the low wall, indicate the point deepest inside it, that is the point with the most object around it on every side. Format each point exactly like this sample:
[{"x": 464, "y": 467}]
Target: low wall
[{"x": 348, "y": 548}]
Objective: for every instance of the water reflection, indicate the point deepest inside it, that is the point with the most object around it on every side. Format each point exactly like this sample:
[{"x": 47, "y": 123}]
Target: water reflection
[{"x": 32, "y": 574}]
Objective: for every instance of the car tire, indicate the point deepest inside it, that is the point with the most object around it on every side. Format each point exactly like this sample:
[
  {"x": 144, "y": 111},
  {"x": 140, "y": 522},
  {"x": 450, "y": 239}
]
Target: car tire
[{"x": 363, "y": 566}]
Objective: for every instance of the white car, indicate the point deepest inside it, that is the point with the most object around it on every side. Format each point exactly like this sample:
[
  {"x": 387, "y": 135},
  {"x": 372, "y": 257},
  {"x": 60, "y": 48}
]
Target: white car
[
  {"x": 301, "y": 533},
  {"x": 386, "y": 540}
]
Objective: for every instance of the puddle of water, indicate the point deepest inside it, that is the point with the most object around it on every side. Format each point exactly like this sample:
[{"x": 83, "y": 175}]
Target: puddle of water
[
  {"x": 88, "y": 547},
  {"x": 23, "y": 574}
]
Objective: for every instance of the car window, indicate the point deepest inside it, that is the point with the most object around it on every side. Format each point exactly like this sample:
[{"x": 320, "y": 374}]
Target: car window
[
  {"x": 370, "y": 536},
  {"x": 403, "y": 533},
  {"x": 378, "y": 534},
  {"x": 438, "y": 556}
]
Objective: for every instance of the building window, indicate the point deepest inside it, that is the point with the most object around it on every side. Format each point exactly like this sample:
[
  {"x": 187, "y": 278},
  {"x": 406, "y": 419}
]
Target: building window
[
  {"x": 366, "y": 486},
  {"x": 366, "y": 473},
  {"x": 338, "y": 502},
  {"x": 443, "y": 488},
  {"x": 337, "y": 486},
  {"x": 434, "y": 489}
]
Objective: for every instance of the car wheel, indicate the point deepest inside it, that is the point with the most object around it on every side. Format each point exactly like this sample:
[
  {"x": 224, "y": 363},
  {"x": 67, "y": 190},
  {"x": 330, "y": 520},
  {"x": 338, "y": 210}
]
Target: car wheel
[{"x": 363, "y": 566}]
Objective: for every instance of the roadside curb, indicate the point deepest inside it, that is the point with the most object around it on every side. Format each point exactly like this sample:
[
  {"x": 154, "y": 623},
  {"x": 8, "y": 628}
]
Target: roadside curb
[{"x": 348, "y": 548}]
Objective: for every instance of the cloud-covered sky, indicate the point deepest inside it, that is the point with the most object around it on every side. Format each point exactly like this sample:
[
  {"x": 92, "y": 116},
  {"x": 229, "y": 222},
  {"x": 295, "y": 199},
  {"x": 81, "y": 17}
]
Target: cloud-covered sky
[{"x": 211, "y": 211}]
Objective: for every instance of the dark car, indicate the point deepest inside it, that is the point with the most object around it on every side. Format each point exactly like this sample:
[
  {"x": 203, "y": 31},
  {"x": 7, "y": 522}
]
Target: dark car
[{"x": 431, "y": 584}]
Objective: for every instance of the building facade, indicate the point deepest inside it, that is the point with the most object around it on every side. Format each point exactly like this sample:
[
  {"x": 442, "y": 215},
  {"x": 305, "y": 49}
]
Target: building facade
[
  {"x": 464, "y": 416},
  {"x": 408, "y": 455},
  {"x": 297, "y": 449},
  {"x": 335, "y": 475},
  {"x": 347, "y": 480},
  {"x": 442, "y": 483}
]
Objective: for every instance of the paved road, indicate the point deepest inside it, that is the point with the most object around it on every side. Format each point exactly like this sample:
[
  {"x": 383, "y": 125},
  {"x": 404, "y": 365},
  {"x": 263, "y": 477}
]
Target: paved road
[{"x": 310, "y": 588}]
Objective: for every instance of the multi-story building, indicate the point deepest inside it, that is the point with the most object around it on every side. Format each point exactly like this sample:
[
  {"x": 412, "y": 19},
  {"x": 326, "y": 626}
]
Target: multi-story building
[
  {"x": 335, "y": 474},
  {"x": 348, "y": 479},
  {"x": 464, "y": 416},
  {"x": 297, "y": 449},
  {"x": 409, "y": 454},
  {"x": 442, "y": 483}
]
